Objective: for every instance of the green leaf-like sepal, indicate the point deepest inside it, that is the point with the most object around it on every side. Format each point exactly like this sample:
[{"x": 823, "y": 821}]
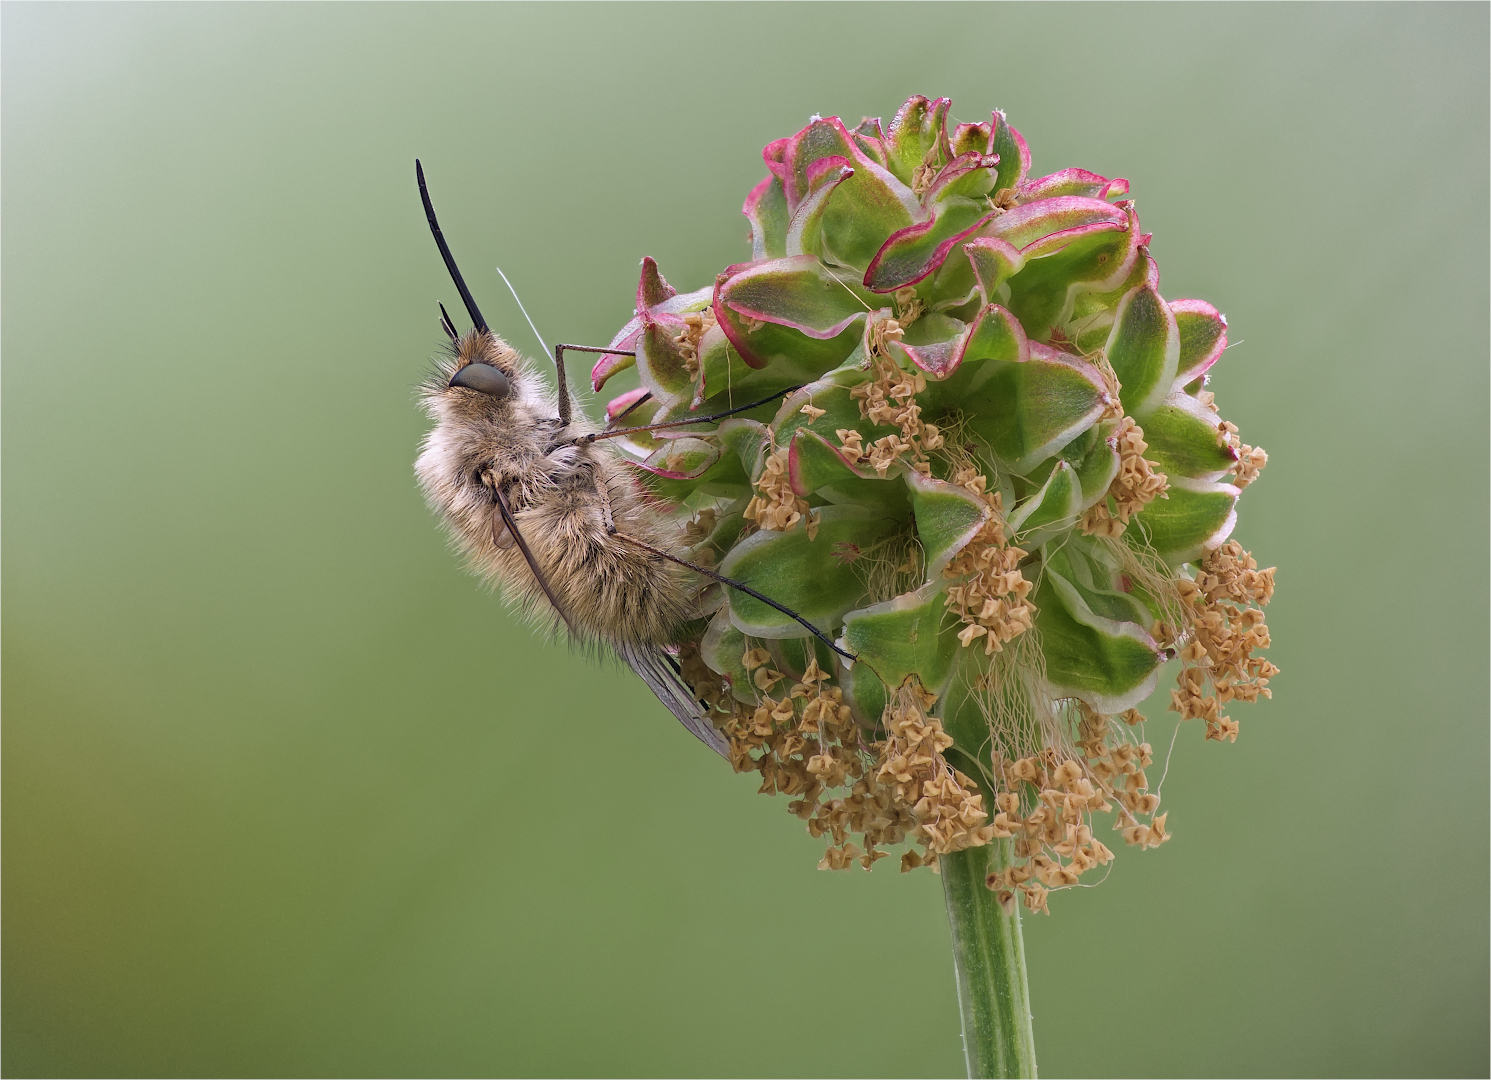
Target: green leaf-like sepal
[
  {"x": 1203, "y": 337},
  {"x": 1195, "y": 517},
  {"x": 1144, "y": 349},
  {"x": 994, "y": 261},
  {"x": 722, "y": 648},
  {"x": 1056, "y": 505},
  {"x": 1109, "y": 663},
  {"x": 802, "y": 574},
  {"x": 766, "y": 209},
  {"x": 904, "y": 636},
  {"x": 1182, "y": 438},
  {"x": 1027, "y": 412},
  {"x": 815, "y": 467},
  {"x": 948, "y": 517}
]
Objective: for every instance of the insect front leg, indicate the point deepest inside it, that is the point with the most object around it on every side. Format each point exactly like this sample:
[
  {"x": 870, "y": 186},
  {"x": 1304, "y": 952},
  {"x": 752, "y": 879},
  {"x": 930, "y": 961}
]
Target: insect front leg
[
  {"x": 604, "y": 494},
  {"x": 502, "y": 536}
]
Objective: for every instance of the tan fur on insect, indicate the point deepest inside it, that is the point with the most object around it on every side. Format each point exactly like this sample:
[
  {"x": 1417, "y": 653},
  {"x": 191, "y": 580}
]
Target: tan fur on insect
[{"x": 559, "y": 497}]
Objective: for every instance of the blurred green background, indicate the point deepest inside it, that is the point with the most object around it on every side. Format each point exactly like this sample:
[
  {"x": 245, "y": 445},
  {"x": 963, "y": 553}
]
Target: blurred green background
[{"x": 286, "y": 793}]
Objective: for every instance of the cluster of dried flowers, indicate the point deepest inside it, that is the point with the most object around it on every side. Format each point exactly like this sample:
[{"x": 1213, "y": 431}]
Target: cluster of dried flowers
[
  {"x": 900, "y": 788},
  {"x": 1224, "y": 607}
]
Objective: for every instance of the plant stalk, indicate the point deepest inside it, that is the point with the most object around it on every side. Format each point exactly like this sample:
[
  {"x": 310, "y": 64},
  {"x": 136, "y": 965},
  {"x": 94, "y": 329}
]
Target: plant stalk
[{"x": 989, "y": 961}]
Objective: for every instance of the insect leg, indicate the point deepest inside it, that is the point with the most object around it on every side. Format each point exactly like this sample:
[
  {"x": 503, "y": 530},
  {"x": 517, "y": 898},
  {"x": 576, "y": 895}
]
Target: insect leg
[
  {"x": 564, "y": 409},
  {"x": 741, "y": 586},
  {"x": 605, "y": 497},
  {"x": 543, "y": 582},
  {"x": 586, "y": 440}
]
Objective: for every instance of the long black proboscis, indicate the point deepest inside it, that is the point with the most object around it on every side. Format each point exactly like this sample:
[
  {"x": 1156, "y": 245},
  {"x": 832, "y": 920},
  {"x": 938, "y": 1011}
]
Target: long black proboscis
[
  {"x": 742, "y": 587},
  {"x": 538, "y": 574},
  {"x": 611, "y": 434},
  {"x": 450, "y": 262}
]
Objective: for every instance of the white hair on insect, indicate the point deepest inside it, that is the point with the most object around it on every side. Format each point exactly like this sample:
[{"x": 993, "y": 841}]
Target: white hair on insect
[{"x": 509, "y": 284}]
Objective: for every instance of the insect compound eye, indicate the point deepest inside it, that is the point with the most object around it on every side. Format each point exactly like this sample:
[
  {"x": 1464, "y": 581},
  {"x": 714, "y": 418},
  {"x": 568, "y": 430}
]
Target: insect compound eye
[{"x": 483, "y": 377}]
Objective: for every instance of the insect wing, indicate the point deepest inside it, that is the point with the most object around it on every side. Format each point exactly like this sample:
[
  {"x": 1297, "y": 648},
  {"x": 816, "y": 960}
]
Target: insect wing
[{"x": 652, "y": 665}]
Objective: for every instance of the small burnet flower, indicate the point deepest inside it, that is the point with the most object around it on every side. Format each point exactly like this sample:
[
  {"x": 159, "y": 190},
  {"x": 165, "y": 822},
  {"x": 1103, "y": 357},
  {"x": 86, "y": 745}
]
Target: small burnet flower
[{"x": 1000, "y": 484}]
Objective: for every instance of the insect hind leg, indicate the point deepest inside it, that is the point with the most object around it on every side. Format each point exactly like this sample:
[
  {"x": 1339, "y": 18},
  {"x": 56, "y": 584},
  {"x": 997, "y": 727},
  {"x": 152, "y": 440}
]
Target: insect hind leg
[{"x": 737, "y": 585}]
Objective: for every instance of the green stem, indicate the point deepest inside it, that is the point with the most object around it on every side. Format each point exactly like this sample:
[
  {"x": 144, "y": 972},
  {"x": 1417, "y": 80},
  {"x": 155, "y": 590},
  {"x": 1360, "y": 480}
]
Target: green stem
[{"x": 989, "y": 960}]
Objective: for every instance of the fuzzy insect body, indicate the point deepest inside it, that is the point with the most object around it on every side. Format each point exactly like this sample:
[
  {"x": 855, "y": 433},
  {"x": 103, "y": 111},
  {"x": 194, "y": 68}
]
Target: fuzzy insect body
[
  {"x": 543, "y": 507},
  {"x": 572, "y": 502},
  {"x": 506, "y": 462}
]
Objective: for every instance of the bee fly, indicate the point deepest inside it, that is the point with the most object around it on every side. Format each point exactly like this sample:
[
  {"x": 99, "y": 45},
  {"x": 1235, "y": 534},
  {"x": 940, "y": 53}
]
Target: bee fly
[{"x": 541, "y": 504}]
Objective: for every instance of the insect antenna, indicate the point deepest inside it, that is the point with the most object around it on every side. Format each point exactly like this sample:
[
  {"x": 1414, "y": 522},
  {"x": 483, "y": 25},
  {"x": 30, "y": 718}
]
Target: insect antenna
[
  {"x": 559, "y": 376},
  {"x": 448, "y": 326},
  {"x": 519, "y": 301},
  {"x": 742, "y": 587},
  {"x": 450, "y": 262},
  {"x": 543, "y": 582}
]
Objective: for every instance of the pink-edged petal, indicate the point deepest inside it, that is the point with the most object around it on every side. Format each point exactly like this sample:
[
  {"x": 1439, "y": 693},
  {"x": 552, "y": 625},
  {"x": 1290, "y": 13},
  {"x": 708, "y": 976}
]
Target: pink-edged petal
[
  {"x": 813, "y": 461},
  {"x": 805, "y": 231},
  {"x": 697, "y": 300},
  {"x": 774, "y": 154},
  {"x": 822, "y": 138},
  {"x": 828, "y": 138},
  {"x": 972, "y": 137},
  {"x": 610, "y": 363},
  {"x": 681, "y": 459},
  {"x": 660, "y": 360},
  {"x": 1144, "y": 349},
  {"x": 797, "y": 292},
  {"x": 785, "y": 348},
  {"x": 994, "y": 335},
  {"x": 970, "y": 175},
  {"x": 766, "y": 209},
  {"x": 1072, "y": 182},
  {"x": 1203, "y": 337},
  {"x": 919, "y": 126},
  {"x": 731, "y": 323},
  {"x": 620, "y": 404},
  {"x": 1093, "y": 259},
  {"x": 869, "y": 138},
  {"x": 994, "y": 261},
  {"x": 1028, "y": 224},
  {"x": 1014, "y": 154},
  {"x": 918, "y": 250},
  {"x": 652, "y": 289},
  {"x": 933, "y": 343}
]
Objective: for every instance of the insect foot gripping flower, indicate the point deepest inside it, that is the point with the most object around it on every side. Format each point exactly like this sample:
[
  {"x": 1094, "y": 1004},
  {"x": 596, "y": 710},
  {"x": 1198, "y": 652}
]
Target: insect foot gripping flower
[{"x": 993, "y": 478}]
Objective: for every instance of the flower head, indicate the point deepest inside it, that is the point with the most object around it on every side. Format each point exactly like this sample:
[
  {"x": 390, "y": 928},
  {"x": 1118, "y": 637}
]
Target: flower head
[{"x": 992, "y": 476}]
